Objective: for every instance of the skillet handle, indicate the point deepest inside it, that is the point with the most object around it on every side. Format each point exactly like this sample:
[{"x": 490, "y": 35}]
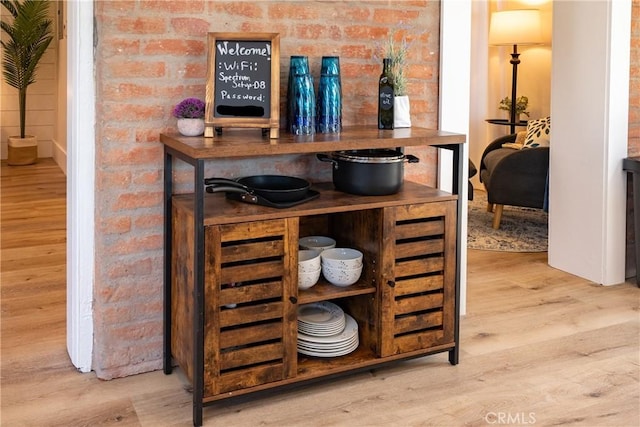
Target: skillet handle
[
  {"x": 225, "y": 188},
  {"x": 222, "y": 181},
  {"x": 326, "y": 158},
  {"x": 244, "y": 195},
  {"x": 411, "y": 158}
]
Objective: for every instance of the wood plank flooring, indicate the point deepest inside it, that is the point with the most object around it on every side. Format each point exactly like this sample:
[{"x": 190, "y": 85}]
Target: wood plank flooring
[{"x": 539, "y": 347}]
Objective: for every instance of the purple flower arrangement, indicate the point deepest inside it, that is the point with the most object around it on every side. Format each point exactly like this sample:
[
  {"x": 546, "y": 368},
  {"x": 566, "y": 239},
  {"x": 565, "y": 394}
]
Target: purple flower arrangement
[{"x": 190, "y": 108}]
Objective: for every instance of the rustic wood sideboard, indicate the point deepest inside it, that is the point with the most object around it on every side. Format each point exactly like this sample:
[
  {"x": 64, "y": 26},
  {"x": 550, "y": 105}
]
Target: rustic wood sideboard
[{"x": 230, "y": 278}]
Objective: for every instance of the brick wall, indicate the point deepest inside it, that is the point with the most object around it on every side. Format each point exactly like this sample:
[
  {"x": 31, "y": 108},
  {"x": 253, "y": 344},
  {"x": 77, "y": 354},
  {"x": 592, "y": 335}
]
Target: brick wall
[{"x": 149, "y": 56}]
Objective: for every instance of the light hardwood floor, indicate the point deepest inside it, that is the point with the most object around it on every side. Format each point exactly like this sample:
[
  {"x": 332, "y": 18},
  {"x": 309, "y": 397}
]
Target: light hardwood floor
[{"x": 539, "y": 347}]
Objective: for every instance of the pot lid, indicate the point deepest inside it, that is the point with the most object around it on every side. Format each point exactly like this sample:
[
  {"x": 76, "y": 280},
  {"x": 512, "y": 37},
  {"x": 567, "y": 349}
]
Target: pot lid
[{"x": 370, "y": 156}]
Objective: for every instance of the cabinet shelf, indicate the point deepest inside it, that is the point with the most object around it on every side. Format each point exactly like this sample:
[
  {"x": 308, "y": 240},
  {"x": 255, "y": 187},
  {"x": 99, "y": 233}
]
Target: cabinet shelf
[
  {"x": 324, "y": 291},
  {"x": 219, "y": 210},
  {"x": 239, "y": 143}
]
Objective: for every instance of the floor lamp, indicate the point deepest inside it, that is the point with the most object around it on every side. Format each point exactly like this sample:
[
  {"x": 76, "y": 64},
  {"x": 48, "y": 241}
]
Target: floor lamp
[{"x": 515, "y": 27}]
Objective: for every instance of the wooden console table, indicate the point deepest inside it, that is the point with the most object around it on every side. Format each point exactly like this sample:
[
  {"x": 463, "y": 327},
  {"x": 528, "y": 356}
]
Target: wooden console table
[{"x": 406, "y": 302}]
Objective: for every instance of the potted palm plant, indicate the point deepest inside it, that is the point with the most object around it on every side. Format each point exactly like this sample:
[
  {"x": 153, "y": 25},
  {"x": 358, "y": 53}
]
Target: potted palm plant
[{"x": 29, "y": 33}]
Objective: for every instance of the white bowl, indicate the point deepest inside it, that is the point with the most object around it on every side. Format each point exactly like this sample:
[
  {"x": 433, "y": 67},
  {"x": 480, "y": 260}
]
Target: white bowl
[
  {"x": 307, "y": 280},
  {"x": 342, "y": 258},
  {"x": 341, "y": 276},
  {"x": 317, "y": 242},
  {"x": 308, "y": 260}
]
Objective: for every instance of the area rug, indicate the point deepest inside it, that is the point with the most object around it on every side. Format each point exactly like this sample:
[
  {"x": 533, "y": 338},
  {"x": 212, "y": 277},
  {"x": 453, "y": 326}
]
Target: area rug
[{"x": 521, "y": 229}]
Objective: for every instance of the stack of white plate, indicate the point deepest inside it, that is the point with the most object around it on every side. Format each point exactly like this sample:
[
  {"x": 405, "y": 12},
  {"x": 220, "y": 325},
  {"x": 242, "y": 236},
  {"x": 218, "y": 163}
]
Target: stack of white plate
[{"x": 324, "y": 330}]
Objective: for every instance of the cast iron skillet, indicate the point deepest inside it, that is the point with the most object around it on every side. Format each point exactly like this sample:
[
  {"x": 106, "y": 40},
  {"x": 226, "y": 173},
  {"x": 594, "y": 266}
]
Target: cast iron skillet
[{"x": 275, "y": 188}]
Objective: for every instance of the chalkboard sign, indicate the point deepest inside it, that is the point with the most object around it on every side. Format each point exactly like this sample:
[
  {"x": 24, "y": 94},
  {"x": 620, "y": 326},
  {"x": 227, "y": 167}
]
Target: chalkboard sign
[{"x": 243, "y": 82}]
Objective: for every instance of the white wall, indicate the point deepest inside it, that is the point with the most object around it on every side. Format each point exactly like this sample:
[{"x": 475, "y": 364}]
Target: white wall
[
  {"x": 492, "y": 75},
  {"x": 455, "y": 72},
  {"x": 479, "y": 130},
  {"x": 59, "y": 143},
  {"x": 41, "y": 102},
  {"x": 589, "y": 138}
]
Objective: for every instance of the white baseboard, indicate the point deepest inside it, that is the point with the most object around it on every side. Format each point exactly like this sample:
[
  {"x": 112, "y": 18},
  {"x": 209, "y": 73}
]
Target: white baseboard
[{"x": 59, "y": 155}]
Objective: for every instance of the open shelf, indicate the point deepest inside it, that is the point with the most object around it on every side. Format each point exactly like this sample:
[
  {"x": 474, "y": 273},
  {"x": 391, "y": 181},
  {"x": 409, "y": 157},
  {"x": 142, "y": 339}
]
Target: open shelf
[
  {"x": 324, "y": 291},
  {"x": 220, "y": 210},
  {"x": 239, "y": 143},
  {"x": 310, "y": 366}
]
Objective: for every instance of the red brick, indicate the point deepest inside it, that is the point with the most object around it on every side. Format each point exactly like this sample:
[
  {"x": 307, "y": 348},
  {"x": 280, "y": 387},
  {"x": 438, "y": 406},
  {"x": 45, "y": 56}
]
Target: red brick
[
  {"x": 133, "y": 155},
  {"x": 146, "y": 178},
  {"x": 420, "y": 71},
  {"x": 114, "y": 179},
  {"x": 134, "y": 245},
  {"x": 174, "y": 47},
  {"x": 195, "y": 70},
  {"x": 243, "y": 9},
  {"x": 292, "y": 11},
  {"x": 266, "y": 27},
  {"x": 356, "y": 14},
  {"x": 113, "y": 47},
  {"x": 115, "y": 6},
  {"x": 355, "y": 51},
  {"x": 148, "y": 135},
  {"x": 394, "y": 16},
  {"x": 178, "y": 91},
  {"x": 128, "y": 68},
  {"x": 142, "y": 25},
  {"x": 141, "y": 331},
  {"x": 117, "y": 225},
  {"x": 364, "y": 32},
  {"x": 126, "y": 91},
  {"x": 110, "y": 134},
  {"x": 171, "y": 7},
  {"x": 128, "y": 288},
  {"x": 123, "y": 314},
  {"x": 137, "y": 200},
  {"x": 190, "y": 26},
  {"x": 129, "y": 268},
  {"x": 149, "y": 221},
  {"x": 314, "y": 32},
  {"x": 132, "y": 112}
]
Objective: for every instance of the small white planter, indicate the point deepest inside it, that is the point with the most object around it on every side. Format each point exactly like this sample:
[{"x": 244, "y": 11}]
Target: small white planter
[
  {"x": 401, "y": 112},
  {"x": 191, "y": 127}
]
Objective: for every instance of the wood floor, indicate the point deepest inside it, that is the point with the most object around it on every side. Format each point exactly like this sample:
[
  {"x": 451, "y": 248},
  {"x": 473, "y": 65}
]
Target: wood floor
[{"x": 539, "y": 347}]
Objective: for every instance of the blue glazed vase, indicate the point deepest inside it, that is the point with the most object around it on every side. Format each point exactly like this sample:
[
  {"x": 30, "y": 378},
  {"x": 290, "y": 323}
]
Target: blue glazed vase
[
  {"x": 329, "y": 105},
  {"x": 302, "y": 105}
]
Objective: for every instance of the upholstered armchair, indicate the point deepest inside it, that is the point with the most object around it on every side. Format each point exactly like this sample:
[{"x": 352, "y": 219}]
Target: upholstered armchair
[{"x": 514, "y": 177}]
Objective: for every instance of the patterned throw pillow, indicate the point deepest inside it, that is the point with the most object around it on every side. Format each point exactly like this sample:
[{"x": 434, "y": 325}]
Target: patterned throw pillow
[
  {"x": 538, "y": 133},
  {"x": 518, "y": 143}
]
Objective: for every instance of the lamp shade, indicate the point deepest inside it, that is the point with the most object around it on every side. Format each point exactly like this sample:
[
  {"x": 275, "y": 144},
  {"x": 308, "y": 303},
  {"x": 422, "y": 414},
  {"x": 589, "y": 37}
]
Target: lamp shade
[{"x": 519, "y": 27}]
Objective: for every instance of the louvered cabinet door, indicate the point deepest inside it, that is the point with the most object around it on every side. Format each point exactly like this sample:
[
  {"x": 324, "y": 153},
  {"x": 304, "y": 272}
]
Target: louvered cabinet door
[
  {"x": 417, "y": 292},
  {"x": 250, "y": 304}
]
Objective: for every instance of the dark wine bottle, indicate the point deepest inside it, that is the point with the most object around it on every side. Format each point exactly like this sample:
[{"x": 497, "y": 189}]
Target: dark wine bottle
[{"x": 385, "y": 97}]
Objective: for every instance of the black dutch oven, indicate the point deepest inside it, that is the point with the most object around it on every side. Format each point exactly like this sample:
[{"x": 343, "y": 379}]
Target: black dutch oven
[{"x": 374, "y": 172}]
